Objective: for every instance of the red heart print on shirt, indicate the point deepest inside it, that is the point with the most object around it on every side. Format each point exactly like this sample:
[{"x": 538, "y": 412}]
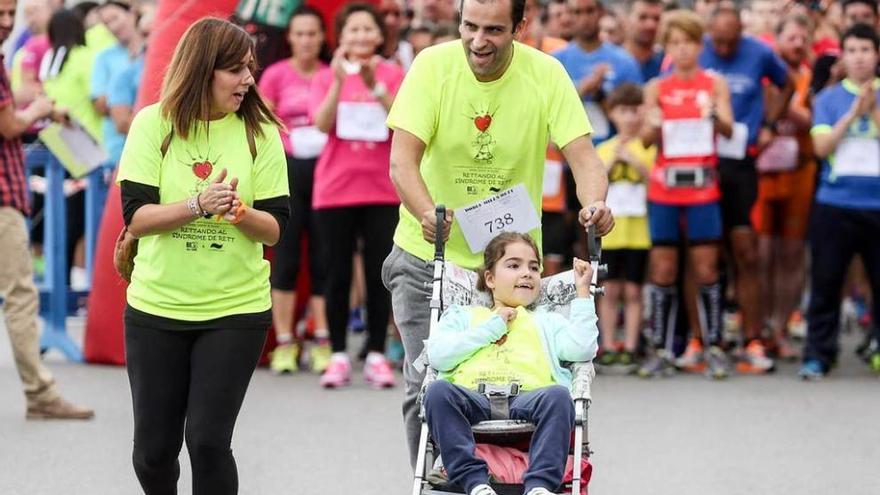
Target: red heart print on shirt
[
  {"x": 483, "y": 122},
  {"x": 202, "y": 169}
]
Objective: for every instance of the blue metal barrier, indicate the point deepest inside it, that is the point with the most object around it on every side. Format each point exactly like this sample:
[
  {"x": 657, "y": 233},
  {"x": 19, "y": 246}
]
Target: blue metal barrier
[{"x": 57, "y": 301}]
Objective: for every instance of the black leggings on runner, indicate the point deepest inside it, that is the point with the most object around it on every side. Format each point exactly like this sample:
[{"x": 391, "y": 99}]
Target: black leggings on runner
[
  {"x": 340, "y": 229},
  {"x": 188, "y": 384}
]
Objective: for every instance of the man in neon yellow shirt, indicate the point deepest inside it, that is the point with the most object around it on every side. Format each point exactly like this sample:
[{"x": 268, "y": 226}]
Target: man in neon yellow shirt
[{"x": 472, "y": 122}]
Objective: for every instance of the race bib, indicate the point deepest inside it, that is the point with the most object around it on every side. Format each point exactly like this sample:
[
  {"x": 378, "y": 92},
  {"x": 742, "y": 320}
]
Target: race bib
[
  {"x": 598, "y": 120},
  {"x": 857, "y": 157},
  {"x": 688, "y": 137},
  {"x": 734, "y": 147},
  {"x": 781, "y": 155},
  {"x": 552, "y": 178},
  {"x": 307, "y": 142},
  {"x": 627, "y": 199},
  {"x": 507, "y": 211},
  {"x": 359, "y": 121}
]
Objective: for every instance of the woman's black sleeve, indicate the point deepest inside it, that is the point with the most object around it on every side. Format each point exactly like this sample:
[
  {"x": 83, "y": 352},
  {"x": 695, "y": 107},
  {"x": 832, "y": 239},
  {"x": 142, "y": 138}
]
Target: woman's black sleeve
[
  {"x": 278, "y": 207},
  {"x": 135, "y": 195}
]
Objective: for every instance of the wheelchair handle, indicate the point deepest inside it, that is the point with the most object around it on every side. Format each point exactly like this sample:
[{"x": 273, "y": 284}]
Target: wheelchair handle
[
  {"x": 594, "y": 242},
  {"x": 439, "y": 246}
]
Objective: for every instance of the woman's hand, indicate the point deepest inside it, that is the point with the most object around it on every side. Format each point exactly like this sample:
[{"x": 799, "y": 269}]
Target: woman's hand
[
  {"x": 583, "y": 277},
  {"x": 368, "y": 72},
  {"x": 217, "y": 198},
  {"x": 338, "y": 65}
]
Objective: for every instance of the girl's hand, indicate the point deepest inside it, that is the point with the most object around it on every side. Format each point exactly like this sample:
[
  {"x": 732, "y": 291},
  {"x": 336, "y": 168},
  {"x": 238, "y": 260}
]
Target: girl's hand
[
  {"x": 507, "y": 314},
  {"x": 583, "y": 276}
]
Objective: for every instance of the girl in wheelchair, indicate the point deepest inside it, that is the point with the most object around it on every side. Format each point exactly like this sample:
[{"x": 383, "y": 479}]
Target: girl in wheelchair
[{"x": 513, "y": 353}]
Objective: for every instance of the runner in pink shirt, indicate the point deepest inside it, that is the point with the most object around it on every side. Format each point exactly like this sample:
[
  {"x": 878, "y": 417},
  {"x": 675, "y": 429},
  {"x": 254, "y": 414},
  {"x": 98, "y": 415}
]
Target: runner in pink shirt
[
  {"x": 286, "y": 85},
  {"x": 353, "y": 194}
]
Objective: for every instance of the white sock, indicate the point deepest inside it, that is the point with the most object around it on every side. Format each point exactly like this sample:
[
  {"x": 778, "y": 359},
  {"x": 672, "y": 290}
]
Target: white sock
[
  {"x": 375, "y": 357},
  {"x": 322, "y": 334},
  {"x": 339, "y": 356},
  {"x": 284, "y": 339}
]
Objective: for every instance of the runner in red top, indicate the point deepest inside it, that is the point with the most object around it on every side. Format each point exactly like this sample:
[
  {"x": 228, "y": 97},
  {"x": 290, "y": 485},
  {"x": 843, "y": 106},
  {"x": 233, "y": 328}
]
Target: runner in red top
[{"x": 686, "y": 110}]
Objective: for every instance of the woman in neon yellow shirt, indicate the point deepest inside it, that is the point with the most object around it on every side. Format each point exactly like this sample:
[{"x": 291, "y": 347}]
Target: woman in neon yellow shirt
[{"x": 204, "y": 186}]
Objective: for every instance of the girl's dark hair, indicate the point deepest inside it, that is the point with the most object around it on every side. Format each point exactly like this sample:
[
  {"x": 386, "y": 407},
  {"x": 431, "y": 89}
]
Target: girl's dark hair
[
  {"x": 306, "y": 10},
  {"x": 495, "y": 251},
  {"x": 353, "y": 8},
  {"x": 83, "y": 9},
  {"x": 66, "y": 30}
]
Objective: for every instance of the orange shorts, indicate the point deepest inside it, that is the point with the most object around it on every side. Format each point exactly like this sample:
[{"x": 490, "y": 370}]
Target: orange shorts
[{"x": 784, "y": 199}]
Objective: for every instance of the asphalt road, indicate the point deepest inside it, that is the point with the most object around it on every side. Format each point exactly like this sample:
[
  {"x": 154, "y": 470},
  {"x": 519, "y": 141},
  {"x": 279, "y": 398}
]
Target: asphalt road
[{"x": 684, "y": 435}]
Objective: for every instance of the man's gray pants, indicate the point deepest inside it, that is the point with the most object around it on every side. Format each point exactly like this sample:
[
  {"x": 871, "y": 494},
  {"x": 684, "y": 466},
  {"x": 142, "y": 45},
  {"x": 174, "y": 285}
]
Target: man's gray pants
[{"x": 409, "y": 280}]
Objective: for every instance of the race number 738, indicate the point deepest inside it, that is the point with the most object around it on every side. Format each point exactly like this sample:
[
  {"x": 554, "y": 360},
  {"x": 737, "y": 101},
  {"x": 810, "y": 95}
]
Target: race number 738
[{"x": 497, "y": 224}]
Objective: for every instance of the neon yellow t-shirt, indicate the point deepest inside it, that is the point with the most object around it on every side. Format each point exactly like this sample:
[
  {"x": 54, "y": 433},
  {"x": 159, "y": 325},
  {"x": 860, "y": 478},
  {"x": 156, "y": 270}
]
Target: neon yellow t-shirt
[
  {"x": 518, "y": 357},
  {"x": 205, "y": 269},
  {"x": 70, "y": 89},
  {"x": 99, "y": 37},
  {"x": 482, "y": 138},
  {"x": 629, "y": 232}
]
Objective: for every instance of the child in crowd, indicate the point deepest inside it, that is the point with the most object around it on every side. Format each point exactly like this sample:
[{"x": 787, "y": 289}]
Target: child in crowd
[
  {"x": 626, "y": 247},
  {"x": 505, "y": 345}
]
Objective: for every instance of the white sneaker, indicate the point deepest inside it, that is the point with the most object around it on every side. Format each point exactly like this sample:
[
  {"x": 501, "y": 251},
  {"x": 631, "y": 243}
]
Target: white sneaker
[
  {"x": 79, "y": 279},
  {"x": 539, "y": 490},
  {"x": 483, "y": 489}
]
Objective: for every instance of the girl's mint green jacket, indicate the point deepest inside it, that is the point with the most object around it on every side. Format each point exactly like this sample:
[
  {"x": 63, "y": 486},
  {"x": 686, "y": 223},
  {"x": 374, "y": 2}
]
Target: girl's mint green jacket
[{"x": 575, "y": 339}]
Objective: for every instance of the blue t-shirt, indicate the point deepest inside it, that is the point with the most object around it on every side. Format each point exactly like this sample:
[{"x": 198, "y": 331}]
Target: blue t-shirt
[
  {"x": 580, "y": 64},
  {"x": 744, "y": 72},
  {"x": 124, "y": 88},
  {"x": 109, "y": 63},
  {"x": 837, "y": 187},
  {"x": 651, "y": 68}
]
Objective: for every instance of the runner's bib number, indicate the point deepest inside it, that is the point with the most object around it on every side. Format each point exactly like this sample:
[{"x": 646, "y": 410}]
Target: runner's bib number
[
  {"x": 552, "y": 178},
  {"x": 358, "y": 121},
  {"x": 857, "y": 157},
  {"x": 627, "y": 199},
  {"x": 307, "y": 142},
  {"x": 598, "y": 120},
  {"x": 781, "y": 155},
  {"x": 735, "y": 146},
  {"x": 688, "y": 138},
  {"x": 507, "y": 211}
]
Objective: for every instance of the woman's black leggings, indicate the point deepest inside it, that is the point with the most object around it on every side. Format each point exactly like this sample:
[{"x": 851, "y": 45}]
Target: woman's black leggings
[
  {"x": 188, "y": 384},
  {"x": 340, "y": 229}
]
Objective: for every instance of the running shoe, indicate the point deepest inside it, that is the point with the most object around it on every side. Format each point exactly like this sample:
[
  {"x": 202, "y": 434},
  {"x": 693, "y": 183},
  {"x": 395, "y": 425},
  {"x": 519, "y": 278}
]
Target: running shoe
[
  {"x": 692, "y": 358},
  {"x": 797, "y": 325},
  {"x": 337, "y": 374},
  {"x": 717, "y": 363},
  {"x": 395, "y": 352},
  {"x": 378, "y": 372},
  {"x": 483, "y": 490},
  {"x": 786, "y": 350},
  {"x": 659, "y": 364},
  {"x": 626, "y": 359},
  {"x": 607, "y": 358},
  {"x": 283, "y": 359},
  {"x": 812, "y": 370},
  {"x": 754, "y": 359},
  {"x": 320, "y": 356},
  {"x": 539, "y": 490},
  {"x": 874, "y": 362}
]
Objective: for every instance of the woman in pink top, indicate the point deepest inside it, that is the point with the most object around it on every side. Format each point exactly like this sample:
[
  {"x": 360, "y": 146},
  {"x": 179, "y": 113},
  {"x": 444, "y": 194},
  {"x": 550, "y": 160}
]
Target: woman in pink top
[
  {"x": 286, "y": 85},
  {"x": 353, "y": 194}
]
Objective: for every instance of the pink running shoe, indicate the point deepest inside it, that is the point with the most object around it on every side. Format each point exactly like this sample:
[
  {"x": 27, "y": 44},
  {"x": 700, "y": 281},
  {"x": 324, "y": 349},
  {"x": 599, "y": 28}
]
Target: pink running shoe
[
  {"x": 337, "y": 374},
  {"x": 377, "y": 371}
]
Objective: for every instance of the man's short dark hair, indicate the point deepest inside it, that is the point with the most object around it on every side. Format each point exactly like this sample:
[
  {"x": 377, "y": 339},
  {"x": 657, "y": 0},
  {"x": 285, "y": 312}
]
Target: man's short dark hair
[
  {"x": 517, "y": 10},
  {"x": 862, "y": 32},
  {"x": 869, "y": 3}
]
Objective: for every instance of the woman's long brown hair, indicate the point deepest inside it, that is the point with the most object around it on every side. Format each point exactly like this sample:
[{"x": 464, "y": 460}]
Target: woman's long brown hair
[{"x": 208, "y": 45}]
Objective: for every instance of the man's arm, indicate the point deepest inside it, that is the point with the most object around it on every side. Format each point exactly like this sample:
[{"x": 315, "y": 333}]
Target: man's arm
[
  {"x": 592, "y": 183},
  {"x": 406, "y": 157},
  {"x": 14, "y": 123}
]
